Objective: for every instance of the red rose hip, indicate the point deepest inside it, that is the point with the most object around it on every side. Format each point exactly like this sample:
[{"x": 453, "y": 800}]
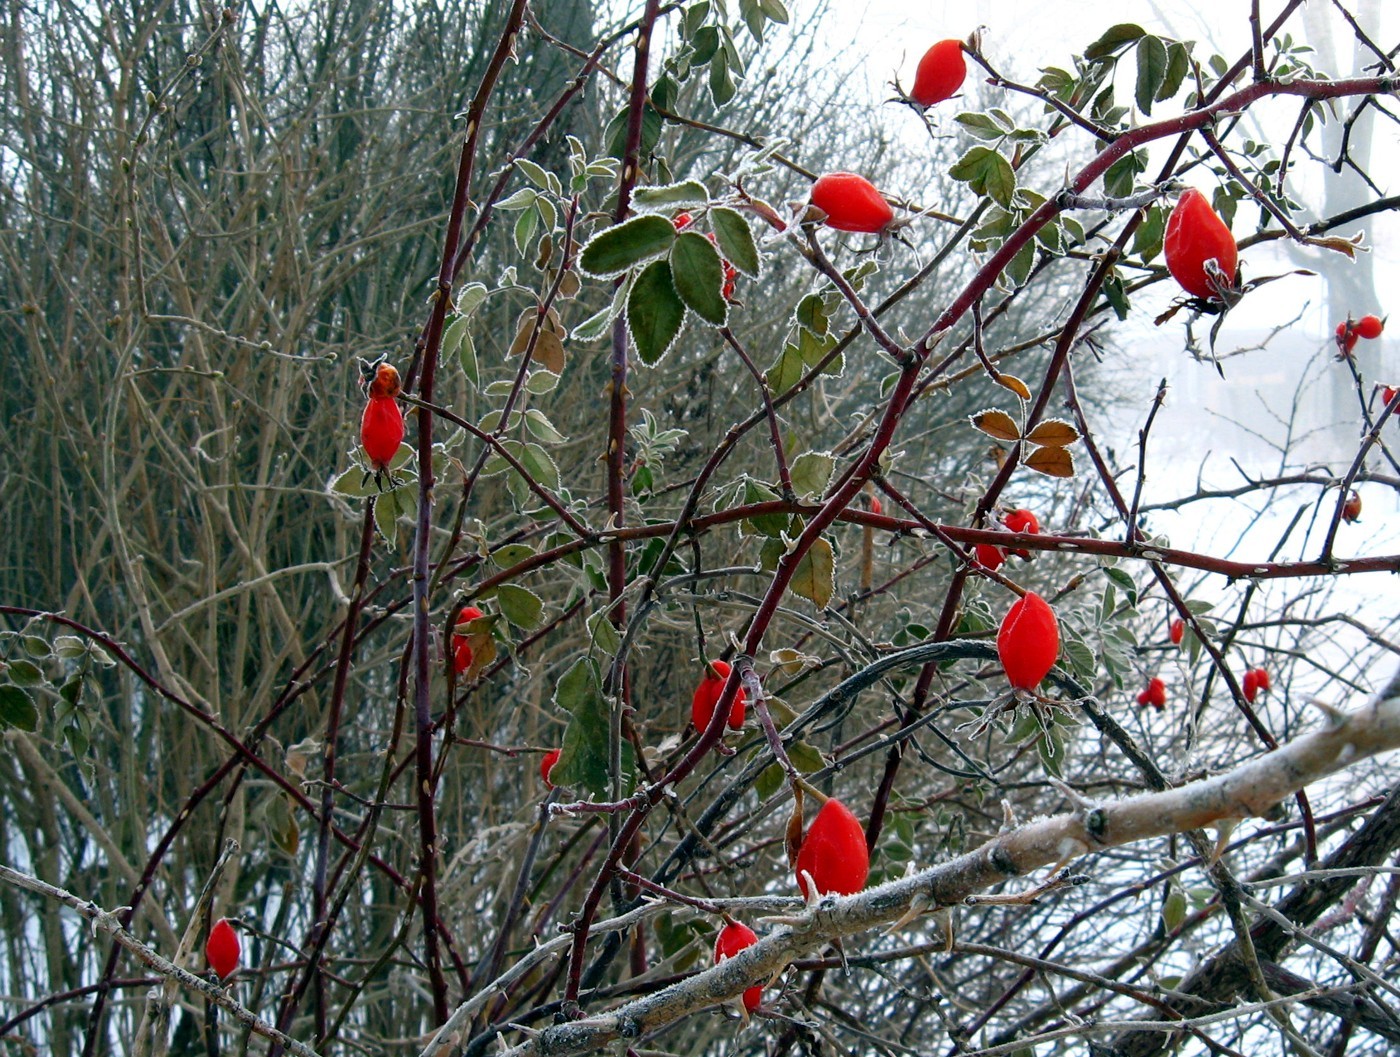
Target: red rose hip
[
  {"x": 851, "y": 203},
  {"x": 222, "y": 949},
  {"x": 941, "y": 73},
  {"x": 1195, "y": 235},
  {"x": 733, "y": 938},
  {"x": 707, "y": 695},
  {"x": 1177, "y": 631},
  {"x": 833, "y": 853},
  {"x": 1028, "y": 641}
]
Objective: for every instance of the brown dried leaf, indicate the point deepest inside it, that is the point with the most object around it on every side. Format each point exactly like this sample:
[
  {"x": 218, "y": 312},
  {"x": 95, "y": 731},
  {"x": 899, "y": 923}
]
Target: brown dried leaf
[
  {"x": 549, "y": 352},
  {"x": 1010, "y": 381},
  {"x": 1054, "y": 433},
  {"x": 997, "y": 423},
  {"x": 1053, "y": 462},
  {"x": 1338, "y": 244}
]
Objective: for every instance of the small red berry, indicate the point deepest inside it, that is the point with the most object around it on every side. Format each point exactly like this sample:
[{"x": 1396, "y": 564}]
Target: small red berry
[
  {"x": 1369, "y": 327},
  {"x": 222, "y": 949},
  {"x": 876, "y": 507},
  {"x": 683, "y": 221},
  {"x": 1351, "y": 509},
  {"x": 1155, "y": 694},
  {"x": 707, "y": 695},
  {"x": 1261, "y": 676},
  {"x": 833, "y": 853},
  {"x": 1388, "y": 394},
  {"x": 1022, "y": 521},
  {"x": 1177, "y": 631},
  {"x": 1028, "y": 641},
  {"x": 941, "y": 73},
  {"x": 547, "y": 765},
  {"x": 989, "y": 556},
  {"x": 1196, "y": 234},
  {"x": 732, "y": 939},
  {"x": 851, "y": 203},
  {"x": 461, "y": 645}
]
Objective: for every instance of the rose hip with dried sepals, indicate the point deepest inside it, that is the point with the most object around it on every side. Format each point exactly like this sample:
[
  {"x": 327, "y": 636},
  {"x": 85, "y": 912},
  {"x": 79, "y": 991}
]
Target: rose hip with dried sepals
[
  {"x": 833, "y": 853},
  {"x": 222, "y": 949},
  {"x": 941, "y": 73},
  {"x": 851, "y": 203},
  {"x": 1196, "y": 234},
  {"x": 1028, "y": 641}
]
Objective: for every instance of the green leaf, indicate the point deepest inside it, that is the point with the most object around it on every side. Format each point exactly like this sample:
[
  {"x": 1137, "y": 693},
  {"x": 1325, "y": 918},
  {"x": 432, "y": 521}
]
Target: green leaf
[
  {"x": 698, "y": 275},
  {"x": 775, "y": 10},
  {"x": 687, "y": 193},
  {"x": 392, "y": 505},
  {"x": 602, "y": 632},
  {"x": 786, "y": 370},
  {"x": 1147, "y": 240},
  {"x": 520, "y": 606},
  {"x": 17, "y": 709},
  {"x": 583, "y": 760},
  {"x": 765, "y": 524},
  {"x": 511, "y": 554},
  {"x": 1019, "y": 270},
  {"x": 537, "y": 422},
  {"x": 1114, "y": 40},
  {"x": 595, "y": 326},
  {"x": 1174, "y": 908},
  {"x": 616, "y": 136},
  {"x": 981, "y": 126},
  {"x": 533, "y": 173},
  {"x": 735, "y": 240},
  {"x": 1151, "y": 71},
  {"x": 815, "y": 578},
  {"x": 616, "y": 249},
  {"x": 1119, "y": 180},
  {"x": 722, "y": 87},
  {"x": 811, "y": 472},
  {"x": 1117, "y": 295},
  {"x": 806, "y": 758},
  {"x": 25, "y": 673},
  {"x": 769, "y": 781},
  {"x": 525, "y": 225},
  {"x": 1178, "y": 66},
  {"x": 987, "y": 173},
  {"x": 655, "y": 312},
  {"x": 37, "y": 647}
]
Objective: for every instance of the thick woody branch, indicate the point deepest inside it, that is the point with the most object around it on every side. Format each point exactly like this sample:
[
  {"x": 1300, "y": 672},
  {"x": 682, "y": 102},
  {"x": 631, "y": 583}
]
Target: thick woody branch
[{"x": 1248, "y": 790}]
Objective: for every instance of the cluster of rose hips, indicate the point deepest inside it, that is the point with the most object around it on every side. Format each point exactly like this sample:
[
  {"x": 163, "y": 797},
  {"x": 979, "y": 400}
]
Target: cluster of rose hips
[
  {"x": 992, "y": 556},
  {"x": 1349, "y": 331}
]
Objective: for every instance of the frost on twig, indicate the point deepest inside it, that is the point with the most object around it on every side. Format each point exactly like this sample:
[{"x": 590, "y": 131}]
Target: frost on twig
[{"x": 1248, "y": 790}]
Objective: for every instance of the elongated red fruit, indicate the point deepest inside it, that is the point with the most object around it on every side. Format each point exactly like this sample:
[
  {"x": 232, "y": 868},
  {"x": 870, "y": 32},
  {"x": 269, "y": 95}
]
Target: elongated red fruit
[
  {"x": 941, "y": 73},
  {"x": 732, "y": 939},
  {"x": 461, "y": 645},
  {"x": 1196, "y": 234},
  {"x": 1028, "y": 641},
  {"x": 381, "y": 430},
  {"x": 547, "y": 765},
  {"x": 833, "y": 852},
  {"x": 707, "y": 694},
  {"x": 1177, "y": 631},
  {"x": 851, "y": 203},
  {"x": 222, "y": 949}
]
